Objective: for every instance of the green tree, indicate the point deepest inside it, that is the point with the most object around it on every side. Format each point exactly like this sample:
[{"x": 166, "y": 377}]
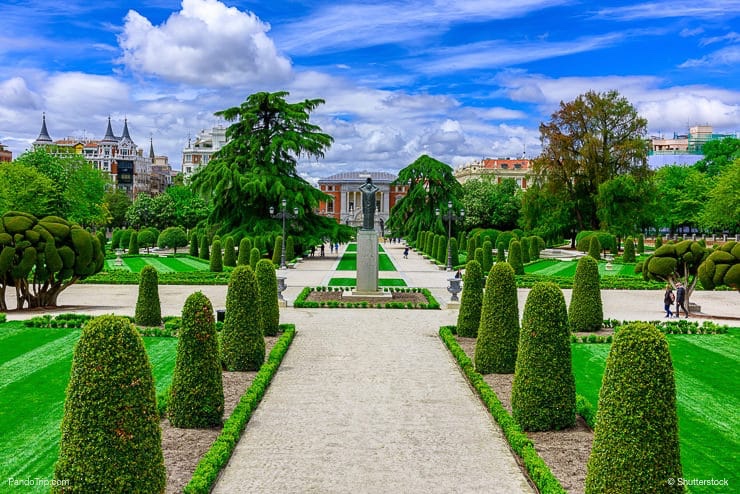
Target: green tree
[
  {"x": 721, "y": 267},
  {"x": 722, "y": 209},
  {"x": 525, "y": 249},
  {"x": 682, "y": 193},
  {"x": 594, "y": 248},
  {"x": 498, "y": 334},
  {"x": 254, "y": 257},
  {"x": 216, "y": 264},
  {"x": 256, "y": 169},
  {"x": 197, "y": 392},
  {"x": 641, "y": 243},
  {"x": 468, "y": 318},
  {"x": 673, "y": 262},
  {"x": 117, "y": 202},
  {"x": 587, "y": 142},
  {"x": 243, "y": 345},
  {"x": 268, "y": 297},
  {"x": 147, "y": 238},
  {"x": 163, "y": 211},
  {"x": 26, "y": 189},
  {"x": 718, "y": 154},
  {"x": 452, "y": 249},
  {"x": 277, "y": 251},
  {"x": 635, "y": 446},
  {"x": 141, "y": 211},
  {"x": 172, "y": 238},
  {"x": 430, "y": 183},
  {"x": 487, "y": 256},
  {"x": 543, "y": 395},
  {"x": 190, "y": 209},
  {"x": 586, "y": 311},
  {"x": 489, "y": 204},
  {"x": 110, "y": 412},
  {"x": 627, "y": 204},
  {"x": 148, "y": 309}
]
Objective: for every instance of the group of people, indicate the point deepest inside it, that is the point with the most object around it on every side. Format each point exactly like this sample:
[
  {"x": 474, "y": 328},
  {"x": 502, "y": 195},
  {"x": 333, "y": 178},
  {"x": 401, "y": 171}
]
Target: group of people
[{"x": 679, "y": 298}]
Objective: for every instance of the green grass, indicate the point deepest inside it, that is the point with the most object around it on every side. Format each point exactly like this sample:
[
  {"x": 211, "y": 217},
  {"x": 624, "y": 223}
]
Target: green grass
[
  {"x": 707, "y": 373},
  {"x": 353, "y": 282},
  {"x": 348, "y": 262},
  {"x": 567, "y": 269},
  {"x": 353, "y": 248},
  {"x": 162, "y": 264},
  {"x": 34, "y": 371}
]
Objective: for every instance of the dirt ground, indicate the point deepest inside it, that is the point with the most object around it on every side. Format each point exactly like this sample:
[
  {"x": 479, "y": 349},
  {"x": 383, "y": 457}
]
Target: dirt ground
[
  {"x": 404, "y": 297},
  {"x": 183, "y": 448},
  {"x": 566, "y": 451}
]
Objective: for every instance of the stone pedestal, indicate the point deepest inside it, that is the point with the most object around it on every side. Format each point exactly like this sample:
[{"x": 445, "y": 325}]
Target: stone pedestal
[{"x": 367, "y": 262}]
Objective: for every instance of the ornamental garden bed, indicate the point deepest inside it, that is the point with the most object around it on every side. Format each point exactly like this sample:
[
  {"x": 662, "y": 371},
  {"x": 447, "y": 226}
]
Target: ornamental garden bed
[
  {"x": 706, "y": 372},
  {"x": 333, "y": 297}
]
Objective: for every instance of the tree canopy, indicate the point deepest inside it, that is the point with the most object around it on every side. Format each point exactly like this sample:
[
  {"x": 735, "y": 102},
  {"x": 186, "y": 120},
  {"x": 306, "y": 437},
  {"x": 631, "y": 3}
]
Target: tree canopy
[
  {"x": 491, "y": 205},
  {"x": 722, "y": 210},
  {"x": 25, "y": 189},
  {"x": 718, "y": 155},
  {"x": 431, "y": 185},
  {"x": 682, "y": 193}
]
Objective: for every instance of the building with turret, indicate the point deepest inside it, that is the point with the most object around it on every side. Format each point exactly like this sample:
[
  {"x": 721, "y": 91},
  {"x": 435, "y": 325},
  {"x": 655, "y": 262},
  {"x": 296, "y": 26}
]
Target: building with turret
[{"x": 118, "y": 156}]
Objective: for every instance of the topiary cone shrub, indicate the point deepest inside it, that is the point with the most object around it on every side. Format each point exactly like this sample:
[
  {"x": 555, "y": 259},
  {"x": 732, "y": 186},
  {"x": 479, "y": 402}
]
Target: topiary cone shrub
[
  {"x": 216, "y": 261},
  {"x": 487, "y": 256},
  {"x": 515, "y": 256},
  {"x": 203, "y": 249},
  {"x": 277, "y": 251},
  {"x": 229, "y": 254},
  {"x": 193, "y": 245},
  {"x": 543, "y": 395},
  {"x": 468, "y": 318},
  {"x": 498, "y": 333},
  {"x": 534, "y": 248},
  {"x": 586, "y": 312},
  {"x": 641, "y": 243},
  {"x": 245, "y": 248},
  {"x": 133, "y": 244},
  {"x": 254, "y": 257},
  {"x": 594, "y": 248},
  {"x": 629, "y": 250},
  {"x": 148, "y": 309},
  {"x": 111, "y": 440},
  {"x": 500, "y": 252},
  {"x": 197, "y": 392},
  {"x": 525, "y": 245},
  {"x": 635, "y": 446},
  {"x": 455, "y": 257},
  {"x": 268, "y": 301},
  {"x": 243, "y": 345}
]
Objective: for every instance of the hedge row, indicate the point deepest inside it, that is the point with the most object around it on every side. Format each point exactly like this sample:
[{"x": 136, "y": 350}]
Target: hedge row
[
  {"x": 121, "y": 277},
  {"x": 218, "y": 455},
  {"x": 537, "y": 469}
]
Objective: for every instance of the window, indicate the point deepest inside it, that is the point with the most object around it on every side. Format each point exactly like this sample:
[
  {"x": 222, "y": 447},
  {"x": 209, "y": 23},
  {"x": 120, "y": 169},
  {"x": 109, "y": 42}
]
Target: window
[
  {"x": 351, "y": 206},
  {"x": 330, "y": 206},
  {"x": 517, "y": 166}
]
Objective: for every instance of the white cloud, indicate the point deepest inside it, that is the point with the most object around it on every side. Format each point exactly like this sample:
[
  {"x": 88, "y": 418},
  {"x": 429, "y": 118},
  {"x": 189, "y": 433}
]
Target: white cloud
[
  {"x": 662, "y": 9},
  {"x": 14, "y": 93},
  {"x": 205, "y": 43},
  {"x": 728, "y": 56}
]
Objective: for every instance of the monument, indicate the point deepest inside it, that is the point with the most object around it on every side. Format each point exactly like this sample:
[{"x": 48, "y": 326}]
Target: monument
[{"x": 367, "y": 244}]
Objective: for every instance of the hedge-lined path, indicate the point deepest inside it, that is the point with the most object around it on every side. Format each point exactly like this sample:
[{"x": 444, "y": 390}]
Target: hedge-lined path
[{"x": 370, "y": 401}]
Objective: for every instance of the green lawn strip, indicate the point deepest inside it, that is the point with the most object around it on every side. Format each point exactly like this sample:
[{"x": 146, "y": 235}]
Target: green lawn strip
[
  {"x": 110, "y": 265},
  {"x": 159, "y": 265},
  {"x": 35, "y": 383},
  {"x": 559, "y": 268},
  {"x": 135, "y": 264},
  {"x": 199, "y": 265},
  {"x": 218, "y": 455},
  {"x": 353, "y": 282},
  {"x": 177, "y": 265},
  {"x": 8, "y": 330},
  {"x": 706, "y": 374},
  {"x": 353, "y": 248},
  {"x": 538, "y": 470},
  {"x": 348, "y": 262},
  {"x": 540, "y": 265}
]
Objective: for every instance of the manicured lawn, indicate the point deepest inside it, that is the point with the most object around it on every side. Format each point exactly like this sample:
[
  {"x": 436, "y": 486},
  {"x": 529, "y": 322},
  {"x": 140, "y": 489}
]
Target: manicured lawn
[
  {"x": 162, "y": 264},
  {"x": 707, "y": 375},
  {"x": 34, "y": 371},
  {"x": 353, "y": 282},
  {"x": 567, "y": 269},
  {"x": 348, "y": 262},
  {"x": 353, "y": 248}
]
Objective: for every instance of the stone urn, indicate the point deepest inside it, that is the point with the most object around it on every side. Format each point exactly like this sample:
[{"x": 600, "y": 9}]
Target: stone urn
[{"x": 454, "y": 288}]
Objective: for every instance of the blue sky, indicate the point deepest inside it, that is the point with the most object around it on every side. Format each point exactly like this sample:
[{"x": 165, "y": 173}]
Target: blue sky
[{"x": 458, "y": 80}]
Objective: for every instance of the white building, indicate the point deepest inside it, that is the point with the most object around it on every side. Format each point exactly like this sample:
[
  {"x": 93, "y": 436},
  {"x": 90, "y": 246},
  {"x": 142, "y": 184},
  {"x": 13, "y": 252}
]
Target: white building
[{"x": 199, "y": 152}]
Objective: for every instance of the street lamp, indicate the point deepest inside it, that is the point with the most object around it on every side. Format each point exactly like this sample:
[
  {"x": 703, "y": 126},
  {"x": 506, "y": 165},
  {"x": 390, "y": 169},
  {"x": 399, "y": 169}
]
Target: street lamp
[
  {"x": 449, "y": 217},
  {"x": 284, "y": 215}
]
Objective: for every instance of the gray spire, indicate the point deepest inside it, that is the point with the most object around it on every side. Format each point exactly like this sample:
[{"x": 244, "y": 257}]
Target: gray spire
[
  {"x": 126, "y": 135},
  {"x": 109, "y": 137},
  {"x": 44, "y": 137},
  {"x": 151, "y": 149}
]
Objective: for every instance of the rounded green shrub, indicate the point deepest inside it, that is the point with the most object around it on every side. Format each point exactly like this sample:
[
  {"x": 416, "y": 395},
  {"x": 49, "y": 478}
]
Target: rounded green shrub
[
  {"x": 498, "y": 332},
  {"x": 635, "y": 446},
  {"x": 594, "y": 248},
  {"x": 471, "y": 302},
  {"x": 487, "y": 256},
  {"x": 658, "y": 242},
  {"x": 133, "y": 244},
  {"x": 193, "y": 245},
  {"x": 268, "y": 301},
  {"x": 525, "y": 243},
  {"x": 243, "y": 345},
  {"x": 662, "y": 266},
  {"x": 586, "y": 311},
  {"x": 629, "y": 250},
  {"x": 515, "y": 257},
  {"x": 543, "y": 395},
  {"x": 111, "y": 439},
  {"x": 216, "y": 261},
  {"x": 197, "y": 392},
  {"x": 148, "y": 309},
  {"x": 126, "y": 238},
  {"x": 254, "y": 257},
  {"x": 203, "y": 248},
  {"x": 245, "y": 250},
  {"x": 172, "y": 238}
]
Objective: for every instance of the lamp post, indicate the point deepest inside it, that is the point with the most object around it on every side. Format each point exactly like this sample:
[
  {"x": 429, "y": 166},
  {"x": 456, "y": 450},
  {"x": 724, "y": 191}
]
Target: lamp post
[
  {"x": 449, "y": 217},
  {"x": 284, "y": 215}
]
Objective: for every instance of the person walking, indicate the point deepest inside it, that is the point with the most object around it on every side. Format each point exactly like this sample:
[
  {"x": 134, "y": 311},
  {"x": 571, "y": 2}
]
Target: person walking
[
  {"x": 680, "y": 299},
  {"x": 406, "y": 253},
  {"x": 668, "y": 299}
]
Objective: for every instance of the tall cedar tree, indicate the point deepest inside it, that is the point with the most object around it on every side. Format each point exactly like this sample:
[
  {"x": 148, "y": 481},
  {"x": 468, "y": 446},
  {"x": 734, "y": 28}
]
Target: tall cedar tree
[
  {"x": 430, "y": 183},
  {"x": 256, "y": 169},
  {"x": 498, "y": 333}
]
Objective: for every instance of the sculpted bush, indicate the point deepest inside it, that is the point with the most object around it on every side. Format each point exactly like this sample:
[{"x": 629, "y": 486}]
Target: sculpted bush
[
  {"x": 515, "y": 257},
  {"x": 243, "y": 345},
  {"x": 148, "y": 309},
  {"x": 229, "y": 254},
  {"x": 268, "y": 301},
  {"x": 468, "y": 318},
  {"x": 498, "y": 333},
  {"x": 245, "y": 249},
  {"x": 586, "y": 311},
  {"x": 216, "y": 261}
]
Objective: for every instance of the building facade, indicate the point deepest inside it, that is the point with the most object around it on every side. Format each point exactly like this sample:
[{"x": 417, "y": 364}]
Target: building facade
[
  {"x": 118, "y": 156},
  {"x": 6, "y": 156},
  {"x": 345, "y": 205},
  {"x": 681, "y": 149},
  {"x": 199, "y": 152},
  {"x": 501, "y": 168}
]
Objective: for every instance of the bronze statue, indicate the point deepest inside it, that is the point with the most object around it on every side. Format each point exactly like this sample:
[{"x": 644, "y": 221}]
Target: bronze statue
[{"x": 368, "y": 190}]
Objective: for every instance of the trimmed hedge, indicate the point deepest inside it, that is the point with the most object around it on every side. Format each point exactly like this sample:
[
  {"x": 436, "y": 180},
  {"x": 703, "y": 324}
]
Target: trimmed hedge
[
  {"x": 277, "y": 251},
  {"x": 254, "y": 257},
  {"x": 148, "y": 308},
  {"x": 487, "y": 256},
  {"x": 586, "y": 312},
  {"x": 218, "y": 455},
  {"x": 243, "y": 345},
  {"x": 111, "y": 440},
  {"x": 526, "y": 246},
  {"x": 245, "y": 249},
  {"x": 635, "y": 447},
  {"x": 500, "y": 252},
  {"x": 133, "y": 244},
  {"x": 268, "y": 301},
  {"x": 194, "y": 245},
  {"x": 216, "y": 260},
  {"x": 537, "y": 469},
  {"x": 229, "y": 254},
  {"x": 594, "y": 248},
  {"x": 498, "y": 333},
  {"x": 543, "y": 395},
  {"x": 471, "y": 302},
  {"x": 629, "y": 250},
  {"x": 641, "y": 244},
  {"x": 515, "y": 257},
  {"x": 197, "y": 394},
  {"x": 203, "y": 252}
]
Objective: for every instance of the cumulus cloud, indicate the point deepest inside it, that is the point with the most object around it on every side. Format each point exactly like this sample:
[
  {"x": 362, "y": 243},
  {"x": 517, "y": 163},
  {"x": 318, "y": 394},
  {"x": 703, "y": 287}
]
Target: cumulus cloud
[
  {"x": 205, "y": 43},
  {"x": 14, "y": 93}
]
